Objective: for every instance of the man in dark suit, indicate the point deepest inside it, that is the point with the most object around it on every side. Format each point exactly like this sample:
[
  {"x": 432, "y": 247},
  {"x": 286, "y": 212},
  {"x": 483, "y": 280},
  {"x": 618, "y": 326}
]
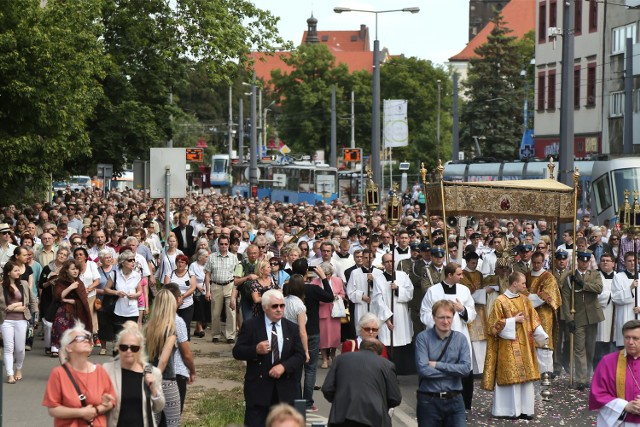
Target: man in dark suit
[
  {"x": 362, "y": 386},
  {"x": 272, "y": 348},
  {"x": 184, "y": 235}
]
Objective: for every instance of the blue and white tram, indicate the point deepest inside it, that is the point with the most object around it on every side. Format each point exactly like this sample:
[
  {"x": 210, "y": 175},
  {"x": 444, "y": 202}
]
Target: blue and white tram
[
  {"x": 220, "y": 171},
  {"x": 294, "y": 182},
  {"x": 610, "y": 180}
]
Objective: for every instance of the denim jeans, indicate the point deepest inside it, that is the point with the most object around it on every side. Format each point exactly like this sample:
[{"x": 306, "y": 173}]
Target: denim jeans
[
  {"x": 436, "y": 412},
  {"x": 311, "y": 368}
]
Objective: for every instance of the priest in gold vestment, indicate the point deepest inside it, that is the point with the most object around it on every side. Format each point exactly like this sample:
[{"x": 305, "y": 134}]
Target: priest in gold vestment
[
  {"x": 511, "y": 365},
  {"x": 544, "y": 294}
]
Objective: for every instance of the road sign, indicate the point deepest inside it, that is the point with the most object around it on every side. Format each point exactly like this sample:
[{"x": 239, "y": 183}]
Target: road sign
[
  {"x": 351, "y": 154},
  {"x": 195, "y": 155},
  {"x": 526, "y": 152}
]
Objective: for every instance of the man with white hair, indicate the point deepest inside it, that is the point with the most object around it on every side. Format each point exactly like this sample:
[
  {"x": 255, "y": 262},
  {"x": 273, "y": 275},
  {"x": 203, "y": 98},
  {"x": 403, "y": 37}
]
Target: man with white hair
[{"x": 598, "y": 247}]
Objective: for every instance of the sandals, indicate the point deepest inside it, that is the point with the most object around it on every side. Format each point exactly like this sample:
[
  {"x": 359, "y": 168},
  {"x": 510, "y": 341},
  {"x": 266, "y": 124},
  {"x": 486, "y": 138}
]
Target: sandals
[
  {"x": 11, "y": 379},
  {"x": 18, "y": 375}
]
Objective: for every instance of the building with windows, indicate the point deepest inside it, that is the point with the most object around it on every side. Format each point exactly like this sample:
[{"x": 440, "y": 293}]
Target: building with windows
[
  {"x": 621, "y": 23},
  {"x": 588, "y": 71}
]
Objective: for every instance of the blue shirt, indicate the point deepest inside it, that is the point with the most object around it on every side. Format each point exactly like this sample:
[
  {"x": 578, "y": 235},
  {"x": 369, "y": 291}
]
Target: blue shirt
[{"x": 448, "y": 372}]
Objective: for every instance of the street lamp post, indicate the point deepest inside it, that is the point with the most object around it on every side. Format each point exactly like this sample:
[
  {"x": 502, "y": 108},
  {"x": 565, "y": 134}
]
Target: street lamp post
[
  {"x": 375, "y": 119},
  {"x": 438, "y": 126},
  {"x": 264, "y": 125}
]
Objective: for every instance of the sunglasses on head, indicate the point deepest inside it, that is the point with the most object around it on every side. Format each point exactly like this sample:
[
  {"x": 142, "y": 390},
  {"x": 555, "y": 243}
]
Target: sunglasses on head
[{"x": 124, "y": 347}]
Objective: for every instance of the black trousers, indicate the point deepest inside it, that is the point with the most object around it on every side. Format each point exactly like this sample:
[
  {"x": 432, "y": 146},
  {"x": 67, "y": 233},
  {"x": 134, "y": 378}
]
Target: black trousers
[{"x": 467, "y": 390}]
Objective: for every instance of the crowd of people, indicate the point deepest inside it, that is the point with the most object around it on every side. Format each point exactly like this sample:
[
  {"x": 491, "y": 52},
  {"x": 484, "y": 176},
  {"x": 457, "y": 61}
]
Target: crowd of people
[{"x": 293, "y": 286}]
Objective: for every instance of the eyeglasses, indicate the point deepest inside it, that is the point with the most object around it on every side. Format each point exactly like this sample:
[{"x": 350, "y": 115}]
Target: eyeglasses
[
  {"x": 5, "y": 232},
  {"x": 82, "y": 338},
  {"x": 370, "y": 330},
  {"x": 614, "y": 239},
  {"x": 274, "y": 264},
  {"x": 94, "y": 225},
  {"x": 541, "y": 247},
  {"x": 124, "y": 348},
  {"x": 134, "y": 260},
  {"x": 77, "y": 242},
  {"x": 304, "y": 249},
  {"x": 262, "y": 247},
  {"x": 277, "y": 306},
  {"x": 260, "y": 234}
]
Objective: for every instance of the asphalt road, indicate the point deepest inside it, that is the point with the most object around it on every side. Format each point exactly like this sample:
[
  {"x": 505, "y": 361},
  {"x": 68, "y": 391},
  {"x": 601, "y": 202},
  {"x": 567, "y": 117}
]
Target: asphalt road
[{"x": 21, "y": 402}]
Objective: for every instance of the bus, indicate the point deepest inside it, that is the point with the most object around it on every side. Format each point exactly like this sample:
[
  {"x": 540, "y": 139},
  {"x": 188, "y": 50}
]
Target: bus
[{"x": 296, "y": 181}]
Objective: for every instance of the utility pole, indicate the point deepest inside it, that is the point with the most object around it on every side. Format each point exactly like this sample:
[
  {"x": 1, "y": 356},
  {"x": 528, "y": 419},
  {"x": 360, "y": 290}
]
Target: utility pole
[
  {"x": 230, "y": 126},
  {"x": 334, "y": 143},
  {"x": 240, "y": 132},
  {"x": 259, "y": 113},
  {"x": 455, "y": 149},
  {"x": 253, "y": 158},
  {"x": 353, "y": 120},
  {"x": 566, "y": 97}
]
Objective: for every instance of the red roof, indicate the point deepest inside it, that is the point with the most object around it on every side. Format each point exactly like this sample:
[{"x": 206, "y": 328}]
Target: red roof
[
  {"x": 350, "y": 41},
  {"x": 264, "y": 63},
  {"x": 518, "y": 15}
]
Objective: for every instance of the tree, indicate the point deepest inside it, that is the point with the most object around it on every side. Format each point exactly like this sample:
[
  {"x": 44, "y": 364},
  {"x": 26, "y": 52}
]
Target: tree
[
  {"x": 495, "y": 92},
  {"x": 305, "y": 98},
  {"x": 51, "y": 63},
  {"x": 416, "y": 80}
]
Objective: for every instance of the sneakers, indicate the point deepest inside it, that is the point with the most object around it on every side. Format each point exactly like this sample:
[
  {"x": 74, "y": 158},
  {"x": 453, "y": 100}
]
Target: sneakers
[
  {"x": 312, "y": 408},
  {"x": 27, "y": 348}
]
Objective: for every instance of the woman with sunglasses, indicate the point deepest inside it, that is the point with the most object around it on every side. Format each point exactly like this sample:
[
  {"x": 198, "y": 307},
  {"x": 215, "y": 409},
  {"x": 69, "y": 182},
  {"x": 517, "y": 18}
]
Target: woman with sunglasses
[
  {"x": 278, "y": 275},
  {"x": 70, "y": 297},
  {"x": 61, "y": 396},
  {"x": 543, "y": 247},
  {"x": 138, "y": 384},
  {"x": 188, "y": 285},
  {"x": 262, "y": 284},
  {"x": 367, "y": 328},
  {"x": 16, "y": 305},
  {"x": 126, "y": 285}
]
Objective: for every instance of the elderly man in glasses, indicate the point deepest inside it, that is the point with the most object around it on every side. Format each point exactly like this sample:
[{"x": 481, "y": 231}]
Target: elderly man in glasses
[{"x": 272, "y": 348}]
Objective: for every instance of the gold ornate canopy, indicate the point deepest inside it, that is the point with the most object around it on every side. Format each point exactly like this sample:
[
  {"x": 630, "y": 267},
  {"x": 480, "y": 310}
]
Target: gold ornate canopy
[{"x": 534, "y": 198}]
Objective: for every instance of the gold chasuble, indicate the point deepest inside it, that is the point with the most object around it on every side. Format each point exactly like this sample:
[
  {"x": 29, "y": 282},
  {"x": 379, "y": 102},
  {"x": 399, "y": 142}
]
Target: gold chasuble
[
  {"x": 473, "y": 281},
  {"x": 546, "y": 287},
  {"x": 510, "y": 362}
]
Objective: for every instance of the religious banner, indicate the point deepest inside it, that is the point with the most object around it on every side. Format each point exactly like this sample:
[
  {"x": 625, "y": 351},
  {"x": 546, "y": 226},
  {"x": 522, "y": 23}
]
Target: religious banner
[
  {"x": 534, "y": 198},
  {"x": 396, "y": 129}
]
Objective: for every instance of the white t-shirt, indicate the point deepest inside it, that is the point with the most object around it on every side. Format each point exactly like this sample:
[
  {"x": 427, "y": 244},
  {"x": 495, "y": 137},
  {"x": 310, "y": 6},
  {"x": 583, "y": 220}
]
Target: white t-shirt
[{"x": 90, "y": 274}]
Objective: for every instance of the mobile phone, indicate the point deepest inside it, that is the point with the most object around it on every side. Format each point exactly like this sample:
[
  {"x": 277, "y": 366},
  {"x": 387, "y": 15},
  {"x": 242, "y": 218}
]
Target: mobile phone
[{"x": 311, "y": 268}]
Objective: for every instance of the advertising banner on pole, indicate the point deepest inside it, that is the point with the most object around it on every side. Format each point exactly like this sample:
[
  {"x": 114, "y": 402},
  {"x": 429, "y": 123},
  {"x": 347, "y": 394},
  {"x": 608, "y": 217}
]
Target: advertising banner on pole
[{"x": 396, "y": 129}]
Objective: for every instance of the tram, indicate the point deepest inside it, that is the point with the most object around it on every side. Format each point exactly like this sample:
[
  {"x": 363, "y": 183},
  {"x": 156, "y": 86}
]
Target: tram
[
  {"x": 220, "y": 177},
  {"x": 296, "y": 181},
  {"x": 602, "y": 182}
]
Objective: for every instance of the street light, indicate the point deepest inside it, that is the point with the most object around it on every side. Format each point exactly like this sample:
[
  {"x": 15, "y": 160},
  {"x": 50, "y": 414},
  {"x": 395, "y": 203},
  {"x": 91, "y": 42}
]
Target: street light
[{"x": 375, "y": 122}]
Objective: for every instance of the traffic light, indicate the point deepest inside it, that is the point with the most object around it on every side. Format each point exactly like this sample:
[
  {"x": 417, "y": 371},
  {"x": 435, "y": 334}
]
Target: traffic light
[{"x": 351, "y": 154}]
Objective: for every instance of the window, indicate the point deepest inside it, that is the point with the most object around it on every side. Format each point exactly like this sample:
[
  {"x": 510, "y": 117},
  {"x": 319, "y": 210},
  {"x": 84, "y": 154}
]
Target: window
[
  {"x": 576, "y": 87},
  {"x": 551, "y": 90},
  {"x": 542, "y": 22},
  {"x": 619, "y": 37},
  {"x": 541, "y": 91},
  {"x": 591, "y": 85},
  {"x": 577, "y": 23},
  {"x": 616, "y": 109},
  {"x": 553, "y": 13},
  {"x": 593, "y": 16}
]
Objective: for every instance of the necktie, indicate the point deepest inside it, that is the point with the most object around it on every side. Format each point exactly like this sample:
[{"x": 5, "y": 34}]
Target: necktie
[{"x": 275, "y": 351}]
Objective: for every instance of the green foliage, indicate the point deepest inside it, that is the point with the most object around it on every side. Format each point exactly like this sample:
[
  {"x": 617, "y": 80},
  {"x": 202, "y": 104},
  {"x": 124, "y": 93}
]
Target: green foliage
[
  {"x": 416, "y": 80},
  {"x": 305, "y": 98},
  {"x": 495, "y": 92},
  {"x": 51, "y": 62}
]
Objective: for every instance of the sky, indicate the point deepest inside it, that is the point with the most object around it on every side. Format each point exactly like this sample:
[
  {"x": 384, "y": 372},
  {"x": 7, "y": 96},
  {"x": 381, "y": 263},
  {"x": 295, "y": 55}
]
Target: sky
[{"x": 440, "y": 30}]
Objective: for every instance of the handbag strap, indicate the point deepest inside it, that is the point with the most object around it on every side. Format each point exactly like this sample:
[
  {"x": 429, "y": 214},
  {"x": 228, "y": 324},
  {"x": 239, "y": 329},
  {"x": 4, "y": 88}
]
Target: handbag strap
[
  {"x": 81, "y": 395},
  {"x": 446, "y": 345}
]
